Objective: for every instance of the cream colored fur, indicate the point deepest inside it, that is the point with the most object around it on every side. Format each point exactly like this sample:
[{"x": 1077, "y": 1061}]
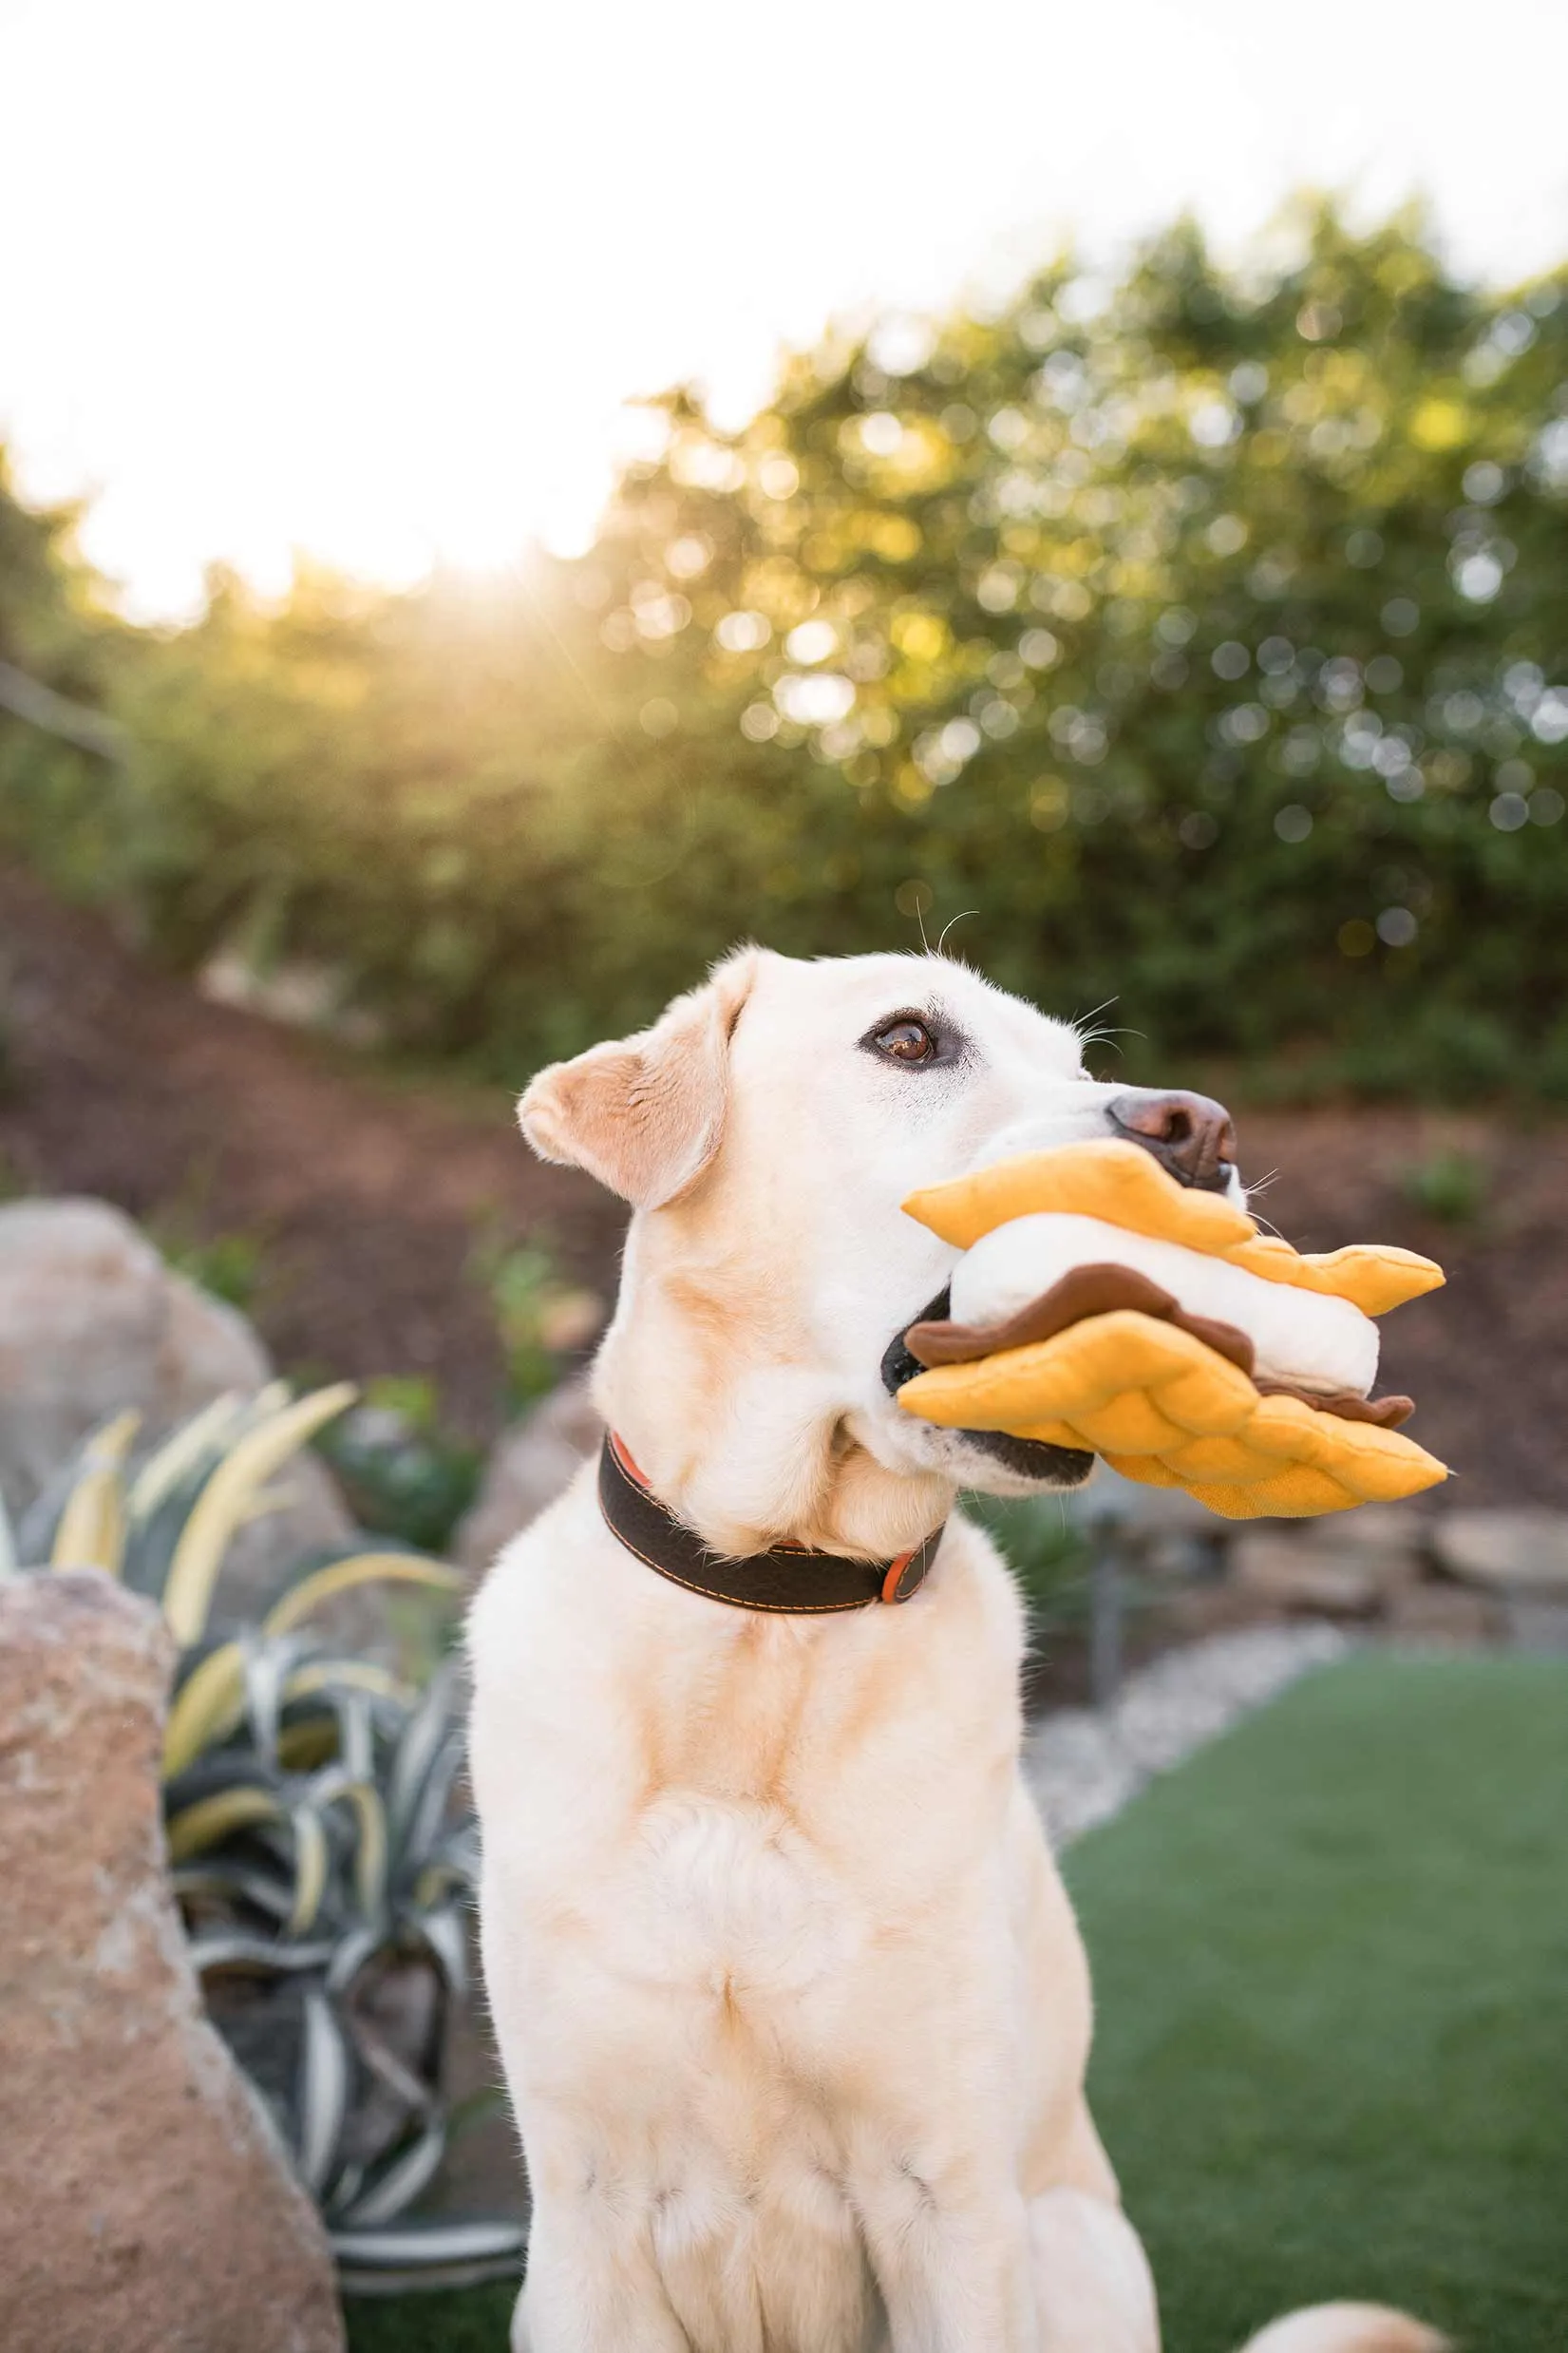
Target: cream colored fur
[{"x": 792, "y": 2004}]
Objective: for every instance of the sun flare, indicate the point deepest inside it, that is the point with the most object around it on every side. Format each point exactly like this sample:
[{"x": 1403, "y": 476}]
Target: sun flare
[{"x": 380, "y": 292}]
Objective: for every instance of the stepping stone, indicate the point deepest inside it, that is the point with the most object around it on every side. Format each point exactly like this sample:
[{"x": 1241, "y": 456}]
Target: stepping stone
[
  {"x": 1523, "y": 1550},
  {"x": 1351, "y": 1581}
]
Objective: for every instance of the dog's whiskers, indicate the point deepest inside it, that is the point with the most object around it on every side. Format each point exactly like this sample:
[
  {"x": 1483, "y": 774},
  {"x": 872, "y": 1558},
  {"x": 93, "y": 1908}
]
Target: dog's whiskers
[
  {"x": 948, "y": 925},
  {"x": 1081, "y": 1021},
  {"x": 1106, "y": 1038}
]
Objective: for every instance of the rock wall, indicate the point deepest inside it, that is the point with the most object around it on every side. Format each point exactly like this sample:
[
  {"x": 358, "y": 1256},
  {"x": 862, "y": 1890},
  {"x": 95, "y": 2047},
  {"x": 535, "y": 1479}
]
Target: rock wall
[{"x": 145, "y": 2205}]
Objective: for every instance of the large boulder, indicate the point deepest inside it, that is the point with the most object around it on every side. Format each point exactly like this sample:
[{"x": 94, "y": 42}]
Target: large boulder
[
  {"x": 530, "y": 1465},
  {"x": 84, "y": 1319},
  {"x": 145, "y": 2203},
  {"x": 91, "y": 1323}
]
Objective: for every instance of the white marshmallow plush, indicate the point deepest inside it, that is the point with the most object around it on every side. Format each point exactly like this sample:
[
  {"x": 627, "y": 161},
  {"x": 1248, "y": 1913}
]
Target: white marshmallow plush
[{"x": 1315, "y": 1342}]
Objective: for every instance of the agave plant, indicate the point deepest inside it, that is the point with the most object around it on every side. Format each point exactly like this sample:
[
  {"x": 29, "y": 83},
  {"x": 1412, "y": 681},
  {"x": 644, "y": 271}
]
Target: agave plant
[{"x": 322, "y": 1853}]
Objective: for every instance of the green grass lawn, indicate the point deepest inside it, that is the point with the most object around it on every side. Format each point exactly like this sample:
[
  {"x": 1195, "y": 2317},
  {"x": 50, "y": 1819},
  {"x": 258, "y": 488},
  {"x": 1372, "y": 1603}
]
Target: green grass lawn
[
  {"x": 1331, "y": 1959},
  {"x": 474, "y": 2320}
]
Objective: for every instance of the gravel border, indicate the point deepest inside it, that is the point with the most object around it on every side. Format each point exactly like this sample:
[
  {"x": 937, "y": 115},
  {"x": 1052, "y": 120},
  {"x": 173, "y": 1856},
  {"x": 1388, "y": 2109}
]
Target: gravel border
[{"x": 1083, "y": 1765}]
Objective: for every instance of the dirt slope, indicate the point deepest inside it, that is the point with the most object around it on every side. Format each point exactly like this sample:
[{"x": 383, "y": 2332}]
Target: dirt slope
[{"x": 366, "y": 1192}]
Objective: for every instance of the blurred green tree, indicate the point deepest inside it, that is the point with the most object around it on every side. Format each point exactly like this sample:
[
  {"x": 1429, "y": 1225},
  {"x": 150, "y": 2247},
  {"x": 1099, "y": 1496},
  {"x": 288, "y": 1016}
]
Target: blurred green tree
[
  {"x": 1206, "y": 633},
  {"x": 61, "y": 756}
]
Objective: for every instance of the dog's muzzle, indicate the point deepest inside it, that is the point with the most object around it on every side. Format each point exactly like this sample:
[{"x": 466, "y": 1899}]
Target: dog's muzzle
[{"x": 1027, "y": 1458}]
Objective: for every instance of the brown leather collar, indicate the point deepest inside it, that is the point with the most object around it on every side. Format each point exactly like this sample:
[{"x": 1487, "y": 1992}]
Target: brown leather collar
[{"x": 789, "y": 1579}]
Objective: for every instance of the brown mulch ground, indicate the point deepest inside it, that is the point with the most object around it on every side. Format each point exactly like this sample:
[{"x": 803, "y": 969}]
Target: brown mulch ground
[{"x": 369, "y": 1191}]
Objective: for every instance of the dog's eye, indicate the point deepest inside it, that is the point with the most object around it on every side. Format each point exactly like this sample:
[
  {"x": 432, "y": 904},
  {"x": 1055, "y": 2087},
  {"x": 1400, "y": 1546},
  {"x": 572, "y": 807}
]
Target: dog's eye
[{"x": 906, "y": 1040}]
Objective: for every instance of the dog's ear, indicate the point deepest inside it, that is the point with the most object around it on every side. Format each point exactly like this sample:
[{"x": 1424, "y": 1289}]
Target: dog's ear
[{"x": 645, "y": 1113}]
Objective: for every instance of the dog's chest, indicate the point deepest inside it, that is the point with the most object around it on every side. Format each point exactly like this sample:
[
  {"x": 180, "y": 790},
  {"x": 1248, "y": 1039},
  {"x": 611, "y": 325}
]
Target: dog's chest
[
  {"x": 744, "y": 1876},
  {"x": 752, "y": 1822},
  {"x": 732, "y": 1897}
]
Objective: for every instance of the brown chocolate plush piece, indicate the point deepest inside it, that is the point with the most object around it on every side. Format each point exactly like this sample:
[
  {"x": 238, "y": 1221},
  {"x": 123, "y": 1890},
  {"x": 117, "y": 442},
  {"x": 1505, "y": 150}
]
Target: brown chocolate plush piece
[
  {"x": 1386, "y": 1413},
  {"x": 1100, "y": 1290},
  {"x": 1096, "y": 1290}
]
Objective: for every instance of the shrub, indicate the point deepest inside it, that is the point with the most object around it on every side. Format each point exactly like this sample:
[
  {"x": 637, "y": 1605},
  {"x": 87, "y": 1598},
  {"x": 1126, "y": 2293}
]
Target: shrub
[
  {"x": 403, "y": 1474},
  {"x": 1449, "y": 1183},
  {"x": 1208, "y": 641},
  {"x": 321, "y": 1852}
]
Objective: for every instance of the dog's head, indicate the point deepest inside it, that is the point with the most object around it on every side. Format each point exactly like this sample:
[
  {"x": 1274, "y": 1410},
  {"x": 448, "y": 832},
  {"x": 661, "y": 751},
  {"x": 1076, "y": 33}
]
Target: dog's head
[{"x": 765, "y": 1130}]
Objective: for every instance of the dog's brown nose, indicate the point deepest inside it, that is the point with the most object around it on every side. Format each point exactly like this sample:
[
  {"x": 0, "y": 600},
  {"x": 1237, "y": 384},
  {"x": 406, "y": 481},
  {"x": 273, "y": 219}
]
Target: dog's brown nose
[{"x": 1190, "y": 1134}]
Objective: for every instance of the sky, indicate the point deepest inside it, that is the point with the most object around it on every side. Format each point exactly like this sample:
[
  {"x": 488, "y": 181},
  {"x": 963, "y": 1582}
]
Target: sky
[{"x": 374, "y": 282}]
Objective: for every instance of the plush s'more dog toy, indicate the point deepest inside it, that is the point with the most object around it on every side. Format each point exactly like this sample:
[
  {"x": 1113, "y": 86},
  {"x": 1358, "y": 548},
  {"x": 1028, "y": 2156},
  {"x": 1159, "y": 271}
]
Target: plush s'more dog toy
[{"x": 1102, "y": 1305}]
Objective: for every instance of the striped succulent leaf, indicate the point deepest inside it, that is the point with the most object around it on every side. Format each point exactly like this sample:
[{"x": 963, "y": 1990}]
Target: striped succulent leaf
[{"x": 321, "y": 1845}]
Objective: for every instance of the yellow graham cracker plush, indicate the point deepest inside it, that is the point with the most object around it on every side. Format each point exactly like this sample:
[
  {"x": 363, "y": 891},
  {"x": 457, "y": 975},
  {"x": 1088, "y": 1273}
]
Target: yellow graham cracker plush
[{"x": 1102, "y": 1305}]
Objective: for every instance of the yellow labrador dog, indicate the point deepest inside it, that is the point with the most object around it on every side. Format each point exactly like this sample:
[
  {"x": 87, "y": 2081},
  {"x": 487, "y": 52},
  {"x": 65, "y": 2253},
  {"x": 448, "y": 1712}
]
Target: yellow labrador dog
[{"x": 793, "y": 2009}]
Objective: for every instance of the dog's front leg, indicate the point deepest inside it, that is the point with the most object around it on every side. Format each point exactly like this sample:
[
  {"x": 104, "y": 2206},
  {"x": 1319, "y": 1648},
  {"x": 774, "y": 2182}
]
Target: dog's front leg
[
  {"x": 951, "y": 2253},
  {"x": 593, "y": 2285}
]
